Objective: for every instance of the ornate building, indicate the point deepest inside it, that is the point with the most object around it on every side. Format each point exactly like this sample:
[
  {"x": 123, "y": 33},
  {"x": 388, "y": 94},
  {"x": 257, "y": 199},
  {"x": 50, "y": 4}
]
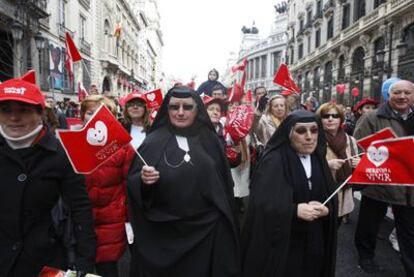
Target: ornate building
[
  {"x": 263, "y": 55},
  {"x": 358, "y": 43}
]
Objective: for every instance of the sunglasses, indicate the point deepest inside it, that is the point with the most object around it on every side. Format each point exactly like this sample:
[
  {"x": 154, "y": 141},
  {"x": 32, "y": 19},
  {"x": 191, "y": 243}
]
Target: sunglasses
[
  {"x": 304, "y": 130},
  {"x": 176, "y": 107},
  {"x": 328, "y": 115}
]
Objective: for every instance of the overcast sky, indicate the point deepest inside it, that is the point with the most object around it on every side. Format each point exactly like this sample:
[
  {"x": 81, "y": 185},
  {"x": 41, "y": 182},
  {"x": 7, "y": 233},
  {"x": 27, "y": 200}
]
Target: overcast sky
[{"x": 200, "y": 34}]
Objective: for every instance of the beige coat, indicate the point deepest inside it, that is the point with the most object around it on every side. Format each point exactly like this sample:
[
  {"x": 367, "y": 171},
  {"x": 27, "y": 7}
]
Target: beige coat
[
  {"x": 345, "y": 197},
  {"x": 265, "y": 128}
]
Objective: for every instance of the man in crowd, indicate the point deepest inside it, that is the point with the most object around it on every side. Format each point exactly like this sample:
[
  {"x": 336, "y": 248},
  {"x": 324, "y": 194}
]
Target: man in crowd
[{"x": 397, "y": 113}]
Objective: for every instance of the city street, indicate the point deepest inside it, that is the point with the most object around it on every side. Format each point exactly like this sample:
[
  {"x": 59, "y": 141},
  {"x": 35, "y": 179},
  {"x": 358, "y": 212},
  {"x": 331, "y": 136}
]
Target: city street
[{"x": 347, "y": 257}]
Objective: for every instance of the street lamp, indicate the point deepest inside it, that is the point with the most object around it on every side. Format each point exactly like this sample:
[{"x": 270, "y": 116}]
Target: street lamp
[
  {"x": 380, "y": 55},
  {"x": 17, "y": 30},
  {"x": 40, "y": 41}
]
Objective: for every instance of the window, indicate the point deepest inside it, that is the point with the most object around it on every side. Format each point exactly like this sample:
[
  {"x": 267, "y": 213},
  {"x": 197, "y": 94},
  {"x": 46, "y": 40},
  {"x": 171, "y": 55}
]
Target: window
[
  {"x": 82, "y": 27},
  {"x": 309, "y": 44},
  {"x": 359, "y": 9},
  {"x": 330, "y": 28},
  {"x": 62, "y": 7},
  {"x": 300, "y": 51},
  {"x": 345, "y": 16},
  {"x": 301, "y": 26},
  {"x": 319, "y": 7},
  {"x": 309, "y": 16},
  {"x": 264, "y": 66},
  {"x": 276, "y": 61},
  {"x": 317, "y": 38},
  {"x": 256, "y": 68},
  {"x": 378, "y": 2},
  {"x": 316, "y": 77},
  {"x": 307, "y": 84}
]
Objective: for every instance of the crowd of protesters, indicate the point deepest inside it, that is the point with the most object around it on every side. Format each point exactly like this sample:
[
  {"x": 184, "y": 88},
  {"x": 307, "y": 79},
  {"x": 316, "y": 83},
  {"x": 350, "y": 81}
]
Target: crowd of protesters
[{"x": 204, "y": 203}]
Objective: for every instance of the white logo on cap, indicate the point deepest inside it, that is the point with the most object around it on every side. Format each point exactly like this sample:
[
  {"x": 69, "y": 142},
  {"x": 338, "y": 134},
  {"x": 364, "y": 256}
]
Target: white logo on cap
[{"x": 14, "y": 90}]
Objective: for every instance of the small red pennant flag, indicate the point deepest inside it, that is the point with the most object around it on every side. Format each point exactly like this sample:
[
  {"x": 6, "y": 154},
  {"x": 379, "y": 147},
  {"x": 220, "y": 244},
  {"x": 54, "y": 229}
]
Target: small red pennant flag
[
  {"x": 154, "y": 98},
  {"x": 382, "y": 134},
  {"x": 72, "y": 55},
  {"x": 82, "y": 92},
  {"x": 30, "y": 77},
  {"x": 95, "y": 143},
  {"x": 284, "y": 79}
]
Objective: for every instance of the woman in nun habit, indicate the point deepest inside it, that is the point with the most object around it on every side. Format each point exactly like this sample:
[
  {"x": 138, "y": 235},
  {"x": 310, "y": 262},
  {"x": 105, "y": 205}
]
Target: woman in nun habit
[
  {"x": 181, "y": 205},
  {"x": 288, "y": 232}
]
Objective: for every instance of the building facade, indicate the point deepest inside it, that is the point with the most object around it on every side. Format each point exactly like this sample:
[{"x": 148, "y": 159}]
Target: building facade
[
  {"x": 120, "y": 43},
  {"x": 353, "y": 43},
  {"x": 263, "y": 55}
]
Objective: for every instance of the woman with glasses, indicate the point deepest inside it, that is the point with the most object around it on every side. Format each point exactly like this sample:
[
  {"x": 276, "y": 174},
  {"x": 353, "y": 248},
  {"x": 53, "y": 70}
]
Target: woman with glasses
[
  {"x": 288, "y": 232},
  {"x": 341, "y": 154},
  {"x": 181, "y": 203},
  {"x": 136, "y": 118}
]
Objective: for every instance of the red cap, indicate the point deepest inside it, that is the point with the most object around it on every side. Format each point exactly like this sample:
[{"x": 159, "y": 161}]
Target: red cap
[
  {"x": 135, "y": 95},
  {"x": 22, "y": 91},
  {"x": 286, "y": 92},
  {"x": 207, "y": 100},
  {"x": 363, "y": 102}
]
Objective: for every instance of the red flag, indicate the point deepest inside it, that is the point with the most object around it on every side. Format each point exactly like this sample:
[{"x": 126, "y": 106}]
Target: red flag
[
  {"x": 95, "y": 143},
  {"x": 386, "y": 163},
  {"x": 72, "y": 55},
  {"x": 154, "y": 98},
  {"x": 236, "y": 93},
  {"x": 248, "y": 98},
  {"x": 239, "y": 121},
  {"x": 30, "y": 77},
  {"x": 241, "y": 66},
  {"x": 153, "y": 115},
  {"x": 284, "y": 79},
  {"x": 51, "y": 272},
  {"x": 74, "y": 123},
  {"x": 382, "y": 134},
  {"x": 118, "y": 29},
  {"x": 82, "y": 92}
]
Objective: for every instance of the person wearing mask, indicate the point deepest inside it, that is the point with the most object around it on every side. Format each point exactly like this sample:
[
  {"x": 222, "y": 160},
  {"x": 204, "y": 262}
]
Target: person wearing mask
[
  {"x": 341, "y": 147},
  {"x": 35, "y": 174},
  {"x": 181, "y": 203},
  {"x": 275, "y": 112},
  {"x": 106, "y": 188},
  {"x": 397, "y": 113},
  {"x": 136, "y": 118},
  {"x": 288, "y": 232},
  {"x": 207, "y": 86}
]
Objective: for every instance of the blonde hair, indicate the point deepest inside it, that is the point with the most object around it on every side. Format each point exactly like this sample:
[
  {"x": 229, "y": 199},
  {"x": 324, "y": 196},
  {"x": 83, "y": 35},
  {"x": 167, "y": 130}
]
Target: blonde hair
[
  {"x": 96, "y": 99},
  {"x": 269, "y": 104}
]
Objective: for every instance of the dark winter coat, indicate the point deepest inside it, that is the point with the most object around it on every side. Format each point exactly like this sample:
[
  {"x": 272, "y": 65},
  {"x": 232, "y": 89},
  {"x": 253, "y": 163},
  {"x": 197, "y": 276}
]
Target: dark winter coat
[{"x": 32, "y": 180}]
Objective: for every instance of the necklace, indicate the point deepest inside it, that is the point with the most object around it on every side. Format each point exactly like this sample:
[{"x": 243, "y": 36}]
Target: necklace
[{"x": 183, "y": 145}]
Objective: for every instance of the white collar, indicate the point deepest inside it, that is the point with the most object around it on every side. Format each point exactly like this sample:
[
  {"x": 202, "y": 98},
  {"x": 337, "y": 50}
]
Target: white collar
[{"x": 21, "y": 142}]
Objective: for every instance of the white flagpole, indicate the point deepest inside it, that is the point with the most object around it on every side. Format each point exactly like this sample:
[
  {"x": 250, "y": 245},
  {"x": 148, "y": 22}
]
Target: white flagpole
[
  {"x": 139, "y": 156},
  {"x": 337, "y": 190},
  {"x": 354, "y": 156}
]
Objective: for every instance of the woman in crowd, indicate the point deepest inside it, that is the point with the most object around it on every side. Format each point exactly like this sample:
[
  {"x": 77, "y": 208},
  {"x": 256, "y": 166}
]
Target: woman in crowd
[
  {"x": 341, "y": 147},
  {"x": 207, "y": 86},
  {"x": 136, "y": 118},
  {"x": 181, "y": 204},
  {"x": 35, "y": 173},
  {"x": 288, "y": 232},
  {"x": 364, "y": 106},
  {"x": 106, "y": 187},
  {"x": 275, "y": 112}
]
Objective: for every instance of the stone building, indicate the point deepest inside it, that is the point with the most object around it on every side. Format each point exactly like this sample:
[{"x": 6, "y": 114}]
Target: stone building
[{"x": 358, "y": 43}]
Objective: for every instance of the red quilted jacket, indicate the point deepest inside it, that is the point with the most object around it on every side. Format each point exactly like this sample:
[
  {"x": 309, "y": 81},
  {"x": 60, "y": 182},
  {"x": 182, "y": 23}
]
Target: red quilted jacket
[{"x": 107, "y": 191}]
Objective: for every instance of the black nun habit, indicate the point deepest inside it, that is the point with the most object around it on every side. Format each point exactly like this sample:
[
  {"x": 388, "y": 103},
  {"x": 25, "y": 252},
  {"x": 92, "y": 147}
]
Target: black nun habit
[
  {"x": 184, "y": 224},
  {"x": 275, "y": 242}
]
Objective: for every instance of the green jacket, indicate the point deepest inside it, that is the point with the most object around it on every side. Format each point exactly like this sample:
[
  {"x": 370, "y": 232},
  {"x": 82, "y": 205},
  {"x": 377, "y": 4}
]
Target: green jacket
[{"x": 369, "y": 124}]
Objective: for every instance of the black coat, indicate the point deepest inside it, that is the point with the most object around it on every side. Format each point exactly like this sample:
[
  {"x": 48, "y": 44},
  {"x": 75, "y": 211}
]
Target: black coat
[{"x": 32, "y": 180}]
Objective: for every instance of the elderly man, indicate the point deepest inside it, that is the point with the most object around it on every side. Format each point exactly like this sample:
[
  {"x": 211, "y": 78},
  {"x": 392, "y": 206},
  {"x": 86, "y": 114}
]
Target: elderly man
[{"x": 396, "y": 113}]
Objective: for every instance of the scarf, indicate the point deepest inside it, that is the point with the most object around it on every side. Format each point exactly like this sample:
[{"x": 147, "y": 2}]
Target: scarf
[
  {"x": 276, "y": 121},
  {"x": 338, "y": 146},
  {"x": 24, "y": 141}
]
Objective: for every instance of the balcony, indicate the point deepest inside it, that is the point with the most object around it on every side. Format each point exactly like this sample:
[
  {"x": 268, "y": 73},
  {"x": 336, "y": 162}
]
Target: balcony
[
  {"x": 85, "y": 47},
  {"x": 37, "y": 8},
  {"x": 317, "y": 19},
  {"x": 301, "y": 32},
  {"x": 62, "y": 31},
  {"x": 328, "y": 8},
  {"x": 308, "y": 28}
]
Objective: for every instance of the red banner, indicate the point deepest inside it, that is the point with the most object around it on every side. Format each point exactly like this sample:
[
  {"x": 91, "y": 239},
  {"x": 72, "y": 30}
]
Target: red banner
[
  {"x": 154, "y": 98},
  {"x": 95, "y": 143},
  {"x": 239, "y": 121},
  {"x": 386, "y": 163}
]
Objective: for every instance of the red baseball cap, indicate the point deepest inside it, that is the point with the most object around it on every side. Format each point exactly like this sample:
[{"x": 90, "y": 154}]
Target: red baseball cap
[
  {"x": 363, "y": 102},
  {"x": 135, "y": 95},
  {"x": 207, "y": 100},
  {"x": 21, "y": 91}
]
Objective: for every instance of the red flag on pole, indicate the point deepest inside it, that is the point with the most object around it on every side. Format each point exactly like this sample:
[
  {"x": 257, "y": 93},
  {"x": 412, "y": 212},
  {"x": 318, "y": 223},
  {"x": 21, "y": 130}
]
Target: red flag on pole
[
  {"x": 154, "y": 98},
  {"x": 382, "y": 134},
  {"x": 72, "y": 55},
  {"x": 95, "y": 143},
  {"x": 241, "y": 66},
  {"x": 284, "y": 79},
  {"x": 386, "y": 163},
  {"x": 239, "y": 121}
]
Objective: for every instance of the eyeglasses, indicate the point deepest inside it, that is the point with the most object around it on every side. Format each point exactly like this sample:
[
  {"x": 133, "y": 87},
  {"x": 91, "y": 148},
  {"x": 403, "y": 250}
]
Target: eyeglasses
[
  {"x": 136, "y": 104},
  {"x": 176, "y": 107},
  {"x": 328, "y": 115},
  {"x": 304, "y": 130}
]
